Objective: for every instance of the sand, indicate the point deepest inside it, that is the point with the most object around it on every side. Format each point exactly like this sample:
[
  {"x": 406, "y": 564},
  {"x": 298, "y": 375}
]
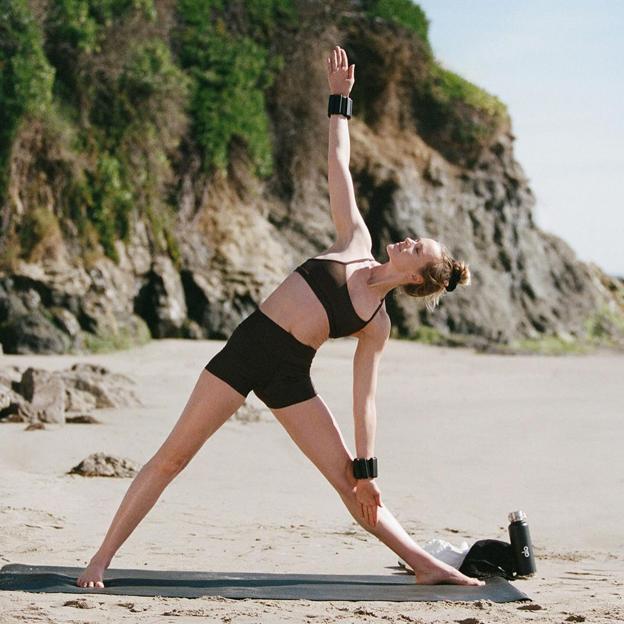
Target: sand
[{"x": 462, "y": 439}]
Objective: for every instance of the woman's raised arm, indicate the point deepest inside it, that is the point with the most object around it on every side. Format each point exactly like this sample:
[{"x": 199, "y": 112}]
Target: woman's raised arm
[{"x": 345, "y": 214}]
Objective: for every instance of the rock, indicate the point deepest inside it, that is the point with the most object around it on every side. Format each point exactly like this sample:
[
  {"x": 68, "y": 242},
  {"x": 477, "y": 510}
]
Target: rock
[
  {"x": 86, "y": 419},
  {"x": 103, "y": 465},
  {"x": 160, "y": 301},
  {"x": 66, "y": 321},
  {"x": 248, "y": 413},
  {"x": 5, "y": 397},
  {"x": 11, "y": 305},
  {"x": 16, "y": 407},
  {"x": 193, "y": 330},
  {"x": 34, "y": 426},
  {"x": 10, "y": 375},
  {"x": 41, "y": 395},
  {"x": 80, "y": 603},
  {"x": 106, "y": 388},
  {"x": 415, "y": 172},
  {"x": 45, "y": 391},
  {"x": 32, "y": 332},
  {"x": 79, "y": 400}
]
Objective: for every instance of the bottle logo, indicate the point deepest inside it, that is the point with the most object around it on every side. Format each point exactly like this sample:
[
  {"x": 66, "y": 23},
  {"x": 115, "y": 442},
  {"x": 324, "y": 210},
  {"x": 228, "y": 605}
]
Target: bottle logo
[{"x": 525, "y": 551}]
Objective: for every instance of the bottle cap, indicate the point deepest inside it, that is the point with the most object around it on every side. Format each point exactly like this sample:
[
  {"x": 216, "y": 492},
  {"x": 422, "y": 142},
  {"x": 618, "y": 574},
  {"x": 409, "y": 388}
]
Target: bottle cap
[{"x": 515, "y": 516}]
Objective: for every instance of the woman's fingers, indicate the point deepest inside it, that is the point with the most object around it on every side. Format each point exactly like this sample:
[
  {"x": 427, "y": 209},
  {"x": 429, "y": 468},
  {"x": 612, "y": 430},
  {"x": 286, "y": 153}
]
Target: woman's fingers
[
  {"x": 338, "y": 59},
  {"x": 365, "y": 513},
  {"x": 369, "y": 513}
]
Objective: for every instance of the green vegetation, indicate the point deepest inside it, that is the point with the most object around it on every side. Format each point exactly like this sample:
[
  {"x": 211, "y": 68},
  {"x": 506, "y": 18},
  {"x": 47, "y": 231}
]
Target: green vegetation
[
  {"x": 432, "y": 336},
  {"x": 38, "y": 225},
  {"x": 450, "y": 88},
  {"x": 231, "y": 72},
  {"x": 26, "y": 77},
  {"x": 116, "y": 92},
  {"x": 113, "y": 89},
  {"x": 548, "y": 345},
  {"x": 453, "y": 115},
  {"x": 404, "y": 12},
  {"x": 460, "y": 119},
  {"x": 604, "y": 326},
  {"x": 124, "y": 338}
]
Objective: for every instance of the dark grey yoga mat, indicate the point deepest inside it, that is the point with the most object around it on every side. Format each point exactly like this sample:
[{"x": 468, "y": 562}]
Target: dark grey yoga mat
[{"x": 395, "y": 587}]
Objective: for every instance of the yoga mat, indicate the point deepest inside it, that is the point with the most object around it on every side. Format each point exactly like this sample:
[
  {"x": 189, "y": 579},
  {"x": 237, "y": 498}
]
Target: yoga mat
[{"x": 395, "y": 587}]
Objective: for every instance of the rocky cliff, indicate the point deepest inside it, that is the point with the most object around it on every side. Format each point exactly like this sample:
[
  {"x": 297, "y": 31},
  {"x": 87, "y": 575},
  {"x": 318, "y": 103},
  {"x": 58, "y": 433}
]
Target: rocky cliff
[{"x": 430, "y": 155}]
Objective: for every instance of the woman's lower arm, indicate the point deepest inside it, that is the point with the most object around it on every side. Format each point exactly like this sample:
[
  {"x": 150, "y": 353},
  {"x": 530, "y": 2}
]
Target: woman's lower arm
[
  {"x": 339, "y": 146},
  {"x": 365, "y": 421}
]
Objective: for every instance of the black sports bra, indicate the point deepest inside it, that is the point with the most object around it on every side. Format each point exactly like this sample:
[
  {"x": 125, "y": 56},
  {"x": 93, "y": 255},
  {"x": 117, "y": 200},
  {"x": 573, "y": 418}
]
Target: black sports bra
[{"x": 327, "y": 278}]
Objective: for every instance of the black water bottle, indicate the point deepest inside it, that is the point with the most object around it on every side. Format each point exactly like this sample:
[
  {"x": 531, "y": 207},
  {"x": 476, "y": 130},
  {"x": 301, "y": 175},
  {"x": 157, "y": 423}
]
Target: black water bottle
[{"x": 521, "y": 545}]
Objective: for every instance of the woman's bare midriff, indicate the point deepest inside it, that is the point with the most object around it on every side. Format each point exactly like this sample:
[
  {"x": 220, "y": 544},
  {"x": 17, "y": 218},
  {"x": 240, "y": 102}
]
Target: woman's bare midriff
[{"x": 294, "y": 306}]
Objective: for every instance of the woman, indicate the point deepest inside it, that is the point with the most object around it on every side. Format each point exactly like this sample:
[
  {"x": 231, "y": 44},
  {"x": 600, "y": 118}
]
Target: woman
[{"x": 271, "y": 351}]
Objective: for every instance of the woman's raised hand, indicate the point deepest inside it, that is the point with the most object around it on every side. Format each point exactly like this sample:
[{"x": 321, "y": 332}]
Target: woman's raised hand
[{"x": 340, "y": 74}]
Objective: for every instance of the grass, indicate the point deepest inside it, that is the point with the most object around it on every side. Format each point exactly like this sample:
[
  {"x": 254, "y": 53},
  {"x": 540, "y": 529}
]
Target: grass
[
  {"x": 548, "y": 345},
  {"x": 125, "y": 338}
]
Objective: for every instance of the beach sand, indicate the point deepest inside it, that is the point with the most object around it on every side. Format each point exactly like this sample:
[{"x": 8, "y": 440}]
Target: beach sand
[{"x": 462, "y": 439}]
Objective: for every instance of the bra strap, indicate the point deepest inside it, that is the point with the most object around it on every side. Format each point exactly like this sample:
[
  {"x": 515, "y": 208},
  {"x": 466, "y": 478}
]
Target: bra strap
[
  {"x": 342, "y": 261},
  {"x": 375, "y": 312}
]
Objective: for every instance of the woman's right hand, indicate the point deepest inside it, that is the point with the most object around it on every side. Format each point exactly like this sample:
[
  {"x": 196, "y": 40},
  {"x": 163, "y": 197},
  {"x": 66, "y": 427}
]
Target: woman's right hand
[
  {"x": 340, "y": 75},
  {"x": 368, "y": 495}
]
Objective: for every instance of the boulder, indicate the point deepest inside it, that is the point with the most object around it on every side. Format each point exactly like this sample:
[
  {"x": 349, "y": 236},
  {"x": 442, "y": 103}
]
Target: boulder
[
  {"x": 82, "y": 419},
  {"x": 78, "y": 400},
  {"x": 33, "y": 332},
  {"x": 15, "y": 407},
  {"x": 107, "y": 389},
  {"x": 160, "y": 301},
  {"x": 248, "y": 413},
  {"x": 45, "y": 391},
  {"x": 103, "y": 465}
]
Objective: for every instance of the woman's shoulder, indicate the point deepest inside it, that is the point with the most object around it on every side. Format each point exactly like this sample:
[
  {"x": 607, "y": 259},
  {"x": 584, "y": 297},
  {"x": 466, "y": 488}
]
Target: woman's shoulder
[{"x": 377, "y": 331}]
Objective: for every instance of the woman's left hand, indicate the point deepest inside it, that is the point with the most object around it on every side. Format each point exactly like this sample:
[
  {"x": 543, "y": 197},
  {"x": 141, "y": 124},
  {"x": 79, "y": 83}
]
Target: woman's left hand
[
  {"x": 340, "y": 75},
  {"x": 369, "y": 497}
]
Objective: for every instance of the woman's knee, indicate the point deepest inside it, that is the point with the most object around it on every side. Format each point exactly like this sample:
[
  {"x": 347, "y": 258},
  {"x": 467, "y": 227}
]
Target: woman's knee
[{"x": 167, "y": 466}]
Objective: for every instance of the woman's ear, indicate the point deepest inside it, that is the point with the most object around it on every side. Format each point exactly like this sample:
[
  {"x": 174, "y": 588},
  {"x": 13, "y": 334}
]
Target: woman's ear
[{"x": 417, "y": 279}]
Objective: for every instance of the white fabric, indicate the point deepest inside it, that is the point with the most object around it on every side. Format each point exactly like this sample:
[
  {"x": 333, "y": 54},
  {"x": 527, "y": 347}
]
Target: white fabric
[{"x": 446, "y": 552}]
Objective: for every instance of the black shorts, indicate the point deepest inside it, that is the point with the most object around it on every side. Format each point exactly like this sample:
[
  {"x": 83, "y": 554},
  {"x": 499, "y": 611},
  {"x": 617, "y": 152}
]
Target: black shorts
[{"x": 263, "y": 357}]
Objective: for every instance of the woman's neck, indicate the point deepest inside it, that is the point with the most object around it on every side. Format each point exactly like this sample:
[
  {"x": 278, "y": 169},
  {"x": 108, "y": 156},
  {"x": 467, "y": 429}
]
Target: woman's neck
[{"x": 382, "y": 278}]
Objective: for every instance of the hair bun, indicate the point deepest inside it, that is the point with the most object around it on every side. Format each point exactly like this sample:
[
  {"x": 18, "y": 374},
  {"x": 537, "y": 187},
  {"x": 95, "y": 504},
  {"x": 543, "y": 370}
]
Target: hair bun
[
  {"x": 464, "y": 273},
  {"x": 460, "y": 274}
]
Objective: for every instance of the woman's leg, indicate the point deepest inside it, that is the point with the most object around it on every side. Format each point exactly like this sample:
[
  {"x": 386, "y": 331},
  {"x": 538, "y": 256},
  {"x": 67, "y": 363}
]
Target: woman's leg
[
  {"x": 211, "y": 403},
  {"x": 313, "y": 428}
]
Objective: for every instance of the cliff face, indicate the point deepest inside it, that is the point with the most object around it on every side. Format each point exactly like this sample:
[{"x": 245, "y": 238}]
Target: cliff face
[{"x": 239, "y": 234}]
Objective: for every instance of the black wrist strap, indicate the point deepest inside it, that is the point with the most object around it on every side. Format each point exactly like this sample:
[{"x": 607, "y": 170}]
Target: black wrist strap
[
  {"x": 339, "y": 104},
  {"x": 365, "y": 468}
]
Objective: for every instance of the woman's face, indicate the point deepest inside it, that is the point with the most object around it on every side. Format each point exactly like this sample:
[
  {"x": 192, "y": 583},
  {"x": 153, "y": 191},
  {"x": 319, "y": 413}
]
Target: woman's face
[{"x": 412, "y": 255}]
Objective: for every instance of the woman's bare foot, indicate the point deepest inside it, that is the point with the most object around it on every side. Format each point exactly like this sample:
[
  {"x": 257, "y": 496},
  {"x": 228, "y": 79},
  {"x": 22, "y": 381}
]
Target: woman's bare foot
[
  {"x": 439, "y": 573},
  {"x": 92, "y": 575}
]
